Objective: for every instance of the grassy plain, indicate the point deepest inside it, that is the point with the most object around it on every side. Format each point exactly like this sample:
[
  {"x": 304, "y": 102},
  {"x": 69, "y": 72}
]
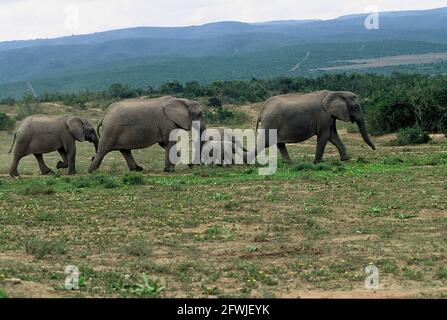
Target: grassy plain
[{"x": 307, "y": 231}]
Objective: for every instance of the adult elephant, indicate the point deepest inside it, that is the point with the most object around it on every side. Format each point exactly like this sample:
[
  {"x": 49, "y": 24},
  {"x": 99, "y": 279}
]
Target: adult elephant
[
  {"x": 298, "y": 117},
  {"x": 41, "y": 134},
  {"x": 138, "y": 123}
]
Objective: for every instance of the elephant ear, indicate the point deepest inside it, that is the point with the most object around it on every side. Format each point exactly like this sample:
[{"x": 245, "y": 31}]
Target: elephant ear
[
  {"x": 336, "y": 104},
  {"x": 76, "y": 128},
  {"x": 177, "y": 111}
]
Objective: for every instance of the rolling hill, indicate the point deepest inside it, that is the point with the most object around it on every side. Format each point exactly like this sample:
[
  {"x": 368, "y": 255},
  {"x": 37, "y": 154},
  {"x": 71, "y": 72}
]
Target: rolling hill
[{"x": 219, "y": 51}]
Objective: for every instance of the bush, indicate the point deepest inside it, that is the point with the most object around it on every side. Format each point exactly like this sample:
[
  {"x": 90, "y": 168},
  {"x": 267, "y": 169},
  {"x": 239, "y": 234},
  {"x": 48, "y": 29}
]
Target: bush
[
  {"x": 6, "y": 123},
  {"x": 215, "y": 102},
  {"x": 443, "y": 124},
  {"x": 121, "y": 91},
  {"x": 8, "y": 101},
  {"x": 226, "y": 116},
  {"x": 133, "y": 178},
  {"x": 389, "y": 117},
  {"x": 3, "y": 294},
  {"x": 95, "y": 180},
  {"x": 27, "y": 109},
  {"x": 411, "y": 135},
  {"x": 41, "y": 248},
  {"x": 38, "y": 189},
  {"x": 139, "y": 247}
]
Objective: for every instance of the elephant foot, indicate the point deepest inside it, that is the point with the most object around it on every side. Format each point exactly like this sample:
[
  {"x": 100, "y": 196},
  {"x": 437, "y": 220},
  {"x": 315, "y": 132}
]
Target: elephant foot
[
  {"x": 61, "y": 165},
  {"x": 14, "y": 174},
  {"x": 169, "y": 169},
  {"x": 316, "y": 161},
  {"x": 137, "y": 168},
  {"x": 47, "y": 172},
  {"x": 345, "y": 158},
  {"x": 72, "y": 172}
]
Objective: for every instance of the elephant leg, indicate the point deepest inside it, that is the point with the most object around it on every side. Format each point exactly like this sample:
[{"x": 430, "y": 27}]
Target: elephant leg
[
  {"x": 71, "y": 160},
  {"x": 284, "y": 153},
  {"x": 262, "y": 142},
  {"x": 335, "y": 140},
  {"x": 98, "y": 159},
  {"x": 169, "y": 166},
  {"x": 322, "y": 140},
  {"x": 131, "y": 163},
  {"x": 64, "y": 163},
  {"x": 13, "y": 168},
  {"x": 42, "y": 166}
]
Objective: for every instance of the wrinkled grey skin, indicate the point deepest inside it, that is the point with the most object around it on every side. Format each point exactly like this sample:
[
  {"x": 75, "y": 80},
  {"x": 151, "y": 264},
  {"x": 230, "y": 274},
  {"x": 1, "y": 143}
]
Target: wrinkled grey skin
[
  {"x": 225, "y": 157},
  {"x": 229, "y": 146},
  {"x": 43, "y": 134},
  {"x": 298, "y": 117},
  {"x": 138, "y": 123},
  {"x": 227, "y": 136}
]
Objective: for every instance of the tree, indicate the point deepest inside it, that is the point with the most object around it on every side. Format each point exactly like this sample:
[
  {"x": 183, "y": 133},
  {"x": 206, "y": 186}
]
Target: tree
[{"x": 118, "y": 90}]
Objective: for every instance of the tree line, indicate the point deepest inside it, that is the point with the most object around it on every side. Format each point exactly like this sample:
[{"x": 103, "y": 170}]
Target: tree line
[{"x": 390, "y": 102}]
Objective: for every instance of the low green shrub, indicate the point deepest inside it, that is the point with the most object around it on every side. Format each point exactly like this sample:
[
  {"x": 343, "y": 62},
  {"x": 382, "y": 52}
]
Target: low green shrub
[
  {"x": 6, "y": 122},
  {"x": 27, "y": 109},
  {"x": 95, "y": 180},
  {"x": 139, "y": 247},
  {"x": 41, "y": 248},
  {"x": 3, "y": 294},
  {"x": 38, "y": 189},
  {"x": 133, "y": 178},
  {"x": 411, "y": 135},
  {"x": 226, "y": 116}
]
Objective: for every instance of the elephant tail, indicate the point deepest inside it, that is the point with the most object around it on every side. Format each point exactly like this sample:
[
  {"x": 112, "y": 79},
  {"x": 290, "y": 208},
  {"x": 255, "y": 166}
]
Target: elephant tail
[
  {"x": 13, "y": 142},
  {"x": 99, "y": 126}
]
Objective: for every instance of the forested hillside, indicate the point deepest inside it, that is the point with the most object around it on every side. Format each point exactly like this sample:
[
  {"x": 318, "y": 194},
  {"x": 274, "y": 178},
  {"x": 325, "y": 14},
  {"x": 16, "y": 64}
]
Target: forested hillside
[{"x": 146, "y": 56}]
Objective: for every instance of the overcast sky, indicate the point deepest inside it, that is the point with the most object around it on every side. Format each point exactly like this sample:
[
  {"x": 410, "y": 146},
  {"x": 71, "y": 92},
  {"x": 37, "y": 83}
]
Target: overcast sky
[{"x": 30, "y": 19}]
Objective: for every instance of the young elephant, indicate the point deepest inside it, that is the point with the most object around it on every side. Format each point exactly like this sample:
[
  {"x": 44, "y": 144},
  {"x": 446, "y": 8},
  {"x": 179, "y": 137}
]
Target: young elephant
[
  {"x": 43, "y": 134},
  {"x": 222, "y": 148}
]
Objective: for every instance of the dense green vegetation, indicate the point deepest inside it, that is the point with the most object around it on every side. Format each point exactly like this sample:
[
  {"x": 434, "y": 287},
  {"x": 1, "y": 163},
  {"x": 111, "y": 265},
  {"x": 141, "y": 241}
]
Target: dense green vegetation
[
  {"x": 141, "y": 72},
  {"x": 390, "y": 102},
  {"x": 6, "y": 123},
  {"x": 412, "y": 135},
  {"x": 139, "y": 57}
]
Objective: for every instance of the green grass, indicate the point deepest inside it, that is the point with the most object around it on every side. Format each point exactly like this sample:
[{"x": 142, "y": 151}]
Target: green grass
[
  {"x": 3, "y": 294},
  {"x": 133, "y": 178}
]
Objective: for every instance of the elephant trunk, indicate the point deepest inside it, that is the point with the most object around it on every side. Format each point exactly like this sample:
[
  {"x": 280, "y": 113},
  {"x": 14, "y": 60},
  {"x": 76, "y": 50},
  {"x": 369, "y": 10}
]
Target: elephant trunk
[
  {"x": 95, "y": 142},
  {"x": 364, "y": 133},
  {"x": 202, "y": 142}
]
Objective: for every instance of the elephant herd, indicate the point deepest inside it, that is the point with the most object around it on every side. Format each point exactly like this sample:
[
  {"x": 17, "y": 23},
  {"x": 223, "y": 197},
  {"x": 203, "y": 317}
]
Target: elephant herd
[{"x": 141, "y": 123}]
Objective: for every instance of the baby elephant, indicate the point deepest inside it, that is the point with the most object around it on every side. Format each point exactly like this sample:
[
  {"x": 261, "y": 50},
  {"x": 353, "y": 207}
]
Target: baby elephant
[
  {"x": 43, "y": 134},
  {"x": 223, "y": 148}
]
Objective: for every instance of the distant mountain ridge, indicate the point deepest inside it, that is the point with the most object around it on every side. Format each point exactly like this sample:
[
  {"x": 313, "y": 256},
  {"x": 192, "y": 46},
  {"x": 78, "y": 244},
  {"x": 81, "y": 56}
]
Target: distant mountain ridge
[
  {"x": 261, "y": 49},
  {"x": 433, "y": 17}
]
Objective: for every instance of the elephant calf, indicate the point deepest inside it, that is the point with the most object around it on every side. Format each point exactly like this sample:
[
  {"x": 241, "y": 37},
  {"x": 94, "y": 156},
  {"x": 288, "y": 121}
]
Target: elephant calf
[
  {"x": 43, "y": 134},
  {"x": 222, "y": 148}
]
